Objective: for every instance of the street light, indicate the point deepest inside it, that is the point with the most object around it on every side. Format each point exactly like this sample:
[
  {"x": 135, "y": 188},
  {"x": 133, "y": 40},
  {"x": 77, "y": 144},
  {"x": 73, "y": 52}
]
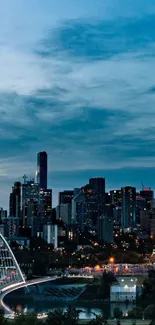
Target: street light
[{"x": 111, "y": 260}]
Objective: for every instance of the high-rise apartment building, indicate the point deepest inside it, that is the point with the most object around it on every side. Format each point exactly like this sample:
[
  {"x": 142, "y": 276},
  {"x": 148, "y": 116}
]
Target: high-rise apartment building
[
  {"x": 128, "y": 207},
  {"x": 15, "y": 201},
  {"x": 42, "y": 169}
]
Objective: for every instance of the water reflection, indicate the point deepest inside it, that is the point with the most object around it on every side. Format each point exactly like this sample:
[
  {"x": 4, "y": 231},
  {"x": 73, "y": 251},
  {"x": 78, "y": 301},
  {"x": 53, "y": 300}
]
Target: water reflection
[{"x": 88, "y": 309}]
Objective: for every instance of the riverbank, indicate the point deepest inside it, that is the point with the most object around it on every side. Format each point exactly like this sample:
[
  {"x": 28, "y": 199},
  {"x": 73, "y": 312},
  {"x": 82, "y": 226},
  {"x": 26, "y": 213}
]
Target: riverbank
[{"x": 122, "y": 322}]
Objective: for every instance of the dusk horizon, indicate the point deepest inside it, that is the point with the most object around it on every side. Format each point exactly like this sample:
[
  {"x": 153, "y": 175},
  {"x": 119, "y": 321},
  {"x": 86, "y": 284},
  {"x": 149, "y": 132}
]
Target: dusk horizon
[{"x": 77, "y": 80}]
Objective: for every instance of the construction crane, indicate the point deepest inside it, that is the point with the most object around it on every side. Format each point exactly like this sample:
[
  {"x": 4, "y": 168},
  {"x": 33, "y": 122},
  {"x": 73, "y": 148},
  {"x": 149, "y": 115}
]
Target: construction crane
[
  {"x": 145, "y": 188},
  {"x": 142, "y": 185}
]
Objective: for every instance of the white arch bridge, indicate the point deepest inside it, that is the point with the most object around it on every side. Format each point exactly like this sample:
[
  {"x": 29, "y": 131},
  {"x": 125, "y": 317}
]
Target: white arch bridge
[{"x": 11, "y": 277}]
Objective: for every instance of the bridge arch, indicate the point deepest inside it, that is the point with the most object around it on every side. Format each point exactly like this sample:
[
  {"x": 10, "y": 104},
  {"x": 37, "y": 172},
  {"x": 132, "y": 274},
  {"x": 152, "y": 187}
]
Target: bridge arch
[{"x": 10, "y": 272}]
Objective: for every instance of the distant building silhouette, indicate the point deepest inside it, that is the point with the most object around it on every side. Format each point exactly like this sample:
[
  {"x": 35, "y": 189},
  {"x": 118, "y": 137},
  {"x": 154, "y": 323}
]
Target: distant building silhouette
[{"x": 42, "y": 169}]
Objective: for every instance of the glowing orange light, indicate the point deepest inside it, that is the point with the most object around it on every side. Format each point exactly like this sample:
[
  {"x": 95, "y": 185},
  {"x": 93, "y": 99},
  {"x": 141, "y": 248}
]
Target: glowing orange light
[
  {"x": 97, "y": 268},
  {"x": 111, "y": 260}
]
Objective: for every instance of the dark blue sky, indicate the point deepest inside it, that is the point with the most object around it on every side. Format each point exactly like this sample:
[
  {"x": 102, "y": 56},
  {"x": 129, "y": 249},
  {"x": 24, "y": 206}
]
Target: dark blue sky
[{"x": 77, "y": 80}]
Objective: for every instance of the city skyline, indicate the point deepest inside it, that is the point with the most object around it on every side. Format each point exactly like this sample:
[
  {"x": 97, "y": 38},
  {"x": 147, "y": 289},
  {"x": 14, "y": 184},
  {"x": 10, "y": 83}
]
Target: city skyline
[
  {"x": 78, "y": 82},
  {"x": 96, "y": 182}
]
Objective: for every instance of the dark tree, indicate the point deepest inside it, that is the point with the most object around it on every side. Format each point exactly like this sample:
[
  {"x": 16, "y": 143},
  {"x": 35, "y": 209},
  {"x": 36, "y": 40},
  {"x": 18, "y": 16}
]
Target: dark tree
[
  {"x": 97, "y": 321},
  {"x": 28, "y": 319},
  {"x": 118, "y": 313},
  {"x": 3, "y": 320},
  {"x": 106, "y": 281},
  {"x": 55, "y": 318}
]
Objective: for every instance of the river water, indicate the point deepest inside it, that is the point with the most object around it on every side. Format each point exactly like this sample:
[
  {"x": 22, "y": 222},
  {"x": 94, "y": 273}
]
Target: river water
[{"x": 88, "y": 309}]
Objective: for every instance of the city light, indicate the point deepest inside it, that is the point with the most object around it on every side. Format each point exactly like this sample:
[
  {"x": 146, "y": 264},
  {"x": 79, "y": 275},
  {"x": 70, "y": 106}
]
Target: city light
[
  {"x": 111, "y": 260},
  {"x": 97, "y": 268}
]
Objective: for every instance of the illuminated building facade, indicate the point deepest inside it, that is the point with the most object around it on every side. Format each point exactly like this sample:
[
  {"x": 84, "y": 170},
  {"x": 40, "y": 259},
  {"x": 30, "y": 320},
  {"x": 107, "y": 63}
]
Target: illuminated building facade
[
  {"x": 128, "y": 207},
  {"x": 45, "y": 204}
]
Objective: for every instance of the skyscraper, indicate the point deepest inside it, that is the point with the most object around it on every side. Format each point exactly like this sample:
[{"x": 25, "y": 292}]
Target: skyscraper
[
  {"x": 92, "y": 210},
  {"x": 15, "y": 200},
  {"x": 30, "y": 194},
  {"x": 45, "y": 205},
  {"x": 148, "y": 195},
  {"x": 98, "y": 184},
  {"x": 64, "y": 209},
  {"x": 30, "y": 191},
  {"x": 66, "y": 197},
  {"x": 79, "y": 210},
  {"x": 42, "y": 169},
  {"x": 115, "y": 197},
  {"x": 128, "y": 207}
]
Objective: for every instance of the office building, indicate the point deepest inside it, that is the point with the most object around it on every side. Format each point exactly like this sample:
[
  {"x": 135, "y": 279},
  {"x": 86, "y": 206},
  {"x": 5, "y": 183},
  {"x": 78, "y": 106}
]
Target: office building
[
  {"x": 63, "y": 212},
  {"x": 42, "y": 169},
  {"x": 36, "y": 228},
  {"x": 45, "y": 204},
  {"x": 79, "y": 211},
  {"x": 140, "y": 202},
  {"x": 145, "y": 220},
  {"x": 30, "y": 198},
  {"x": 3, "y": 214},
  {"x": 92, "y": 206},
  {"x": 115, "y": 197},
  {"x": 107, "y": 198},
  {"x": 30, "y": 191},
  {"x": 50, "y": 234},
  {"x": 148, "y": 195},
  {"x": 11, "y": 226},
  {"x": 64, "y": 209},
  {"x": 105, "y": 229},
  {"x": 140, "y": 206},
  {"x": 128, "y": 207},
  {"x": 65, "y": 197},
  {"x": 31, "y": 212},
  {"x": 152, "y": 227},
  {"x": 117, "y": 213},
  {"x": 15, "y": 201},
  {"x": 98, "y": 184}
]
